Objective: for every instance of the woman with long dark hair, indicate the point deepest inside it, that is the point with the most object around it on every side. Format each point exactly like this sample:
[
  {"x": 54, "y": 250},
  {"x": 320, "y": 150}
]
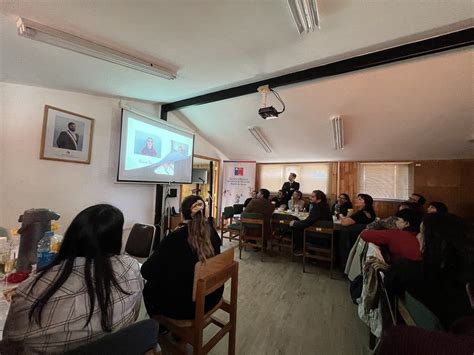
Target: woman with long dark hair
[
  {"x": 170, "y": 270},
  {"x": 342, "y": 206},
  {"x": 364, "y": 215},
  {"x": 87, "y": 291},
  {"x": 439, "y": 280}
]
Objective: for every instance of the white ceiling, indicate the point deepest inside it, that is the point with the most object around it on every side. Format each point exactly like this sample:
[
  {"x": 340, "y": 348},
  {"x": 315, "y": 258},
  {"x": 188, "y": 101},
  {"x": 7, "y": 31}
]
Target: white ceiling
[
  {"x": 214, "y": 44},
  {"x": 417, "y": 109}
]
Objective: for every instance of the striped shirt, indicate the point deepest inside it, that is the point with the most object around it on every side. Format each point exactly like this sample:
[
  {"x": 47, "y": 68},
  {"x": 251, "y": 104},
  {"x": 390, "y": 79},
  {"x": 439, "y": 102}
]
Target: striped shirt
[{"x": 65, "y": 314}]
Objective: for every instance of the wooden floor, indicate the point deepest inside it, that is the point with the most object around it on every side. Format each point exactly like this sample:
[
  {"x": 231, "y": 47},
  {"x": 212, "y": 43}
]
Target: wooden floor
[{"x": 282, "y": 310}]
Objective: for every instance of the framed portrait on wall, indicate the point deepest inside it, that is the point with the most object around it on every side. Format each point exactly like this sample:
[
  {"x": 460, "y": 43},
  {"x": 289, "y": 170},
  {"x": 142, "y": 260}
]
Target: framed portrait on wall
[{"x": 67, "y": 136}]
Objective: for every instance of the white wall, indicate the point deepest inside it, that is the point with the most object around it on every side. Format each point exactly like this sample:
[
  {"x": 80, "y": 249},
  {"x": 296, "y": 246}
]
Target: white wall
[
  {"x": 201, "y": 145},
  {"x": 67, "y": 188}
]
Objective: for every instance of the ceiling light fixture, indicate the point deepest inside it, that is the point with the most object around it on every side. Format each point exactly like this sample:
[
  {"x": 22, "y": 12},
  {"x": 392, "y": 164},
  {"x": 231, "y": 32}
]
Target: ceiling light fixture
[
  {"x": 305, "y": 13},
  {"x": 45, "y": 34},
  {"x": 338, "y": 132},
  {"x": 255, "y": 131}
]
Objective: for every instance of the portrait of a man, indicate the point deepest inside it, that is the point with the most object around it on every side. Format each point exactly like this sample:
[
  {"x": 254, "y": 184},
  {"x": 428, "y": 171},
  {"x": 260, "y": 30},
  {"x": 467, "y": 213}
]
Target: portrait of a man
[{"x": 68, "y": 139}]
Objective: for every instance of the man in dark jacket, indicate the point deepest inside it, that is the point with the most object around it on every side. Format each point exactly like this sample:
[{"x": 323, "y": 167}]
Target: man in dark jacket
[
  {"x": 289, "y": 187},
  {"x": 264, "y": 206},
  {"x": 319, "y": 212}
]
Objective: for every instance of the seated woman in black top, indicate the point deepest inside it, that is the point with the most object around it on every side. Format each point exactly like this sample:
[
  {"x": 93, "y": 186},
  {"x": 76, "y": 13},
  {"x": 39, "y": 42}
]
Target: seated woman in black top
[
  {"x": 170, "y": 270},
  {"x": 342, "y": 205},
  {"x": 439, "y": 279},
  {"x": 364, "y": 215}
]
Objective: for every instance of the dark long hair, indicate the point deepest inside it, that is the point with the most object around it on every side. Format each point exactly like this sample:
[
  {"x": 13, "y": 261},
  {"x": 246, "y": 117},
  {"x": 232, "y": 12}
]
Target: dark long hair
[
  {"x": 95, "y": 234},
  {"x": 199, "y": 232},
  {"x": 321, "y": 196},
  {"x": 348, "y": 199},
  {"x": 369, "y": 204},
  {"x": 447, "y": 250}
]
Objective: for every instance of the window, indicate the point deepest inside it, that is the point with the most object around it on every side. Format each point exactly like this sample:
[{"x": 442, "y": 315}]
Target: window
[
  {"x": 311, "y": 176},
  {"x": 387, "y": 181}
]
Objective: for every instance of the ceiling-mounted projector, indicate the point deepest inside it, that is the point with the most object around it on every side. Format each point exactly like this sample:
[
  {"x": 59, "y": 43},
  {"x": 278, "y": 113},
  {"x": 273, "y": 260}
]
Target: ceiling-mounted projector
[{"x": 269, "y": 112}]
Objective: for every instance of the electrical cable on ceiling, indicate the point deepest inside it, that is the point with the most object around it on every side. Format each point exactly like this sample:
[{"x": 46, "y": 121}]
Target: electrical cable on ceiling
[{"x": 277, "y": 95}]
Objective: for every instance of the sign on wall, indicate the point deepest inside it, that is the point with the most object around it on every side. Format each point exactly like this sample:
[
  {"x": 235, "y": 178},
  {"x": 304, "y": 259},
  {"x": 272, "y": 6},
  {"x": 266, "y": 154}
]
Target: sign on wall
[{"x": 239, "y": 181}]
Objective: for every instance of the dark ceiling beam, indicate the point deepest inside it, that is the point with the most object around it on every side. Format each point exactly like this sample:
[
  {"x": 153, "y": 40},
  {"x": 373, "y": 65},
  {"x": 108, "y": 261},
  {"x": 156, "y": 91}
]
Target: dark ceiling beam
[{"x": 432, "y": 45}]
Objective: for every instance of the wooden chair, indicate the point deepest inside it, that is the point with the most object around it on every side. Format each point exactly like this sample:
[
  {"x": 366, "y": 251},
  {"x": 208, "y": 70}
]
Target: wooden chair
[
  {"x": 322, "y": 231},
  {"x": 208, "y": 277},
  {"x": 252, "y": 229},
  {"x": 238, "y": 208},
  {"x": 282, "y": 234},
  {"x": 233, "y": 228}
]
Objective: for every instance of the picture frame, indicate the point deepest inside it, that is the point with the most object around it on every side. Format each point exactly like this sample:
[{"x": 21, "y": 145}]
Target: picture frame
[{"x": 66, "y": 136}]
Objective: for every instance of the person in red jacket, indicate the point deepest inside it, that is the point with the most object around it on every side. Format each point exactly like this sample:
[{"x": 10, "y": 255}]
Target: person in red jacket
[{"x": 401, "y": 242}]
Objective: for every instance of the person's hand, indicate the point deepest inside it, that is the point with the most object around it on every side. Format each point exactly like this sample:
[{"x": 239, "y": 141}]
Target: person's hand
[
  {"x": 291, "y": 223},
  {"x": 197, "y": 207}
]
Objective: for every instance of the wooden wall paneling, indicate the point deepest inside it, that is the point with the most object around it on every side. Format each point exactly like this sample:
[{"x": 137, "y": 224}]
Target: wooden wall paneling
[
  {"x": 448, "y": 181},
  {"x": 332, "y": 186},
  {"x": 349, "y": 178},
  {"x": 384, "y": 209}
]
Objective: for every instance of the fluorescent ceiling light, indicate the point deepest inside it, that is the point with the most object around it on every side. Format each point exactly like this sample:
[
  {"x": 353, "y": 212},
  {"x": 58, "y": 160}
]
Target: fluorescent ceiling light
[
  {"x": 42, "y": 33},
  {"x": 305, "y": 13},
  {"x": 260, "y": 139},
  {"x": 338, "y": 132}
]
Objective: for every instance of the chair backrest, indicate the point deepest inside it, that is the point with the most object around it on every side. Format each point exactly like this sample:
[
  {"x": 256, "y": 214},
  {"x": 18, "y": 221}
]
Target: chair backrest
[
  {"x": 251, "y": 219},
  {"x": 228, "y": 212},
  {"x": 283, "y": 218},
  {"x": 212, "y": 267},
  {"x": 135, "y": 339},
  {"x": 321, "y": 227},
  {"x": 238, "y": 208},
  {"x": 140, "y": 241}
]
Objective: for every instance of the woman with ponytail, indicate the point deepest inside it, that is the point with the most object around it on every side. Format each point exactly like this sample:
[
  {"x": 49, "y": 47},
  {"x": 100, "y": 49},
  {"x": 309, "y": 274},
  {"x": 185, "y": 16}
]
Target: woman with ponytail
[{"x": 170, "y": 270}]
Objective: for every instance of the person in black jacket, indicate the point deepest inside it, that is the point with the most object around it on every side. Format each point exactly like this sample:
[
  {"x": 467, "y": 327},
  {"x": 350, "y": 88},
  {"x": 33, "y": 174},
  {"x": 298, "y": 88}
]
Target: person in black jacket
[
  {"x": 290, "y": 186},
  {"x": 319, "y": 212},
  {"x": 170, "y": 269}
]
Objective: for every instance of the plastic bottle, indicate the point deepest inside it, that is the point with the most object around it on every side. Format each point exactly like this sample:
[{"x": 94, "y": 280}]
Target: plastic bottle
[
  {"x": 56, "y": 240},
  {"x": 45, "y": 256}
]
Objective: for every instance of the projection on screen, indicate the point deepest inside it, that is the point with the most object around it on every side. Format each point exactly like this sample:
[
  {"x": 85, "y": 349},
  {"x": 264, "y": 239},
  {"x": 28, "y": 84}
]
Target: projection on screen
[{"x": 153, "y": 151}]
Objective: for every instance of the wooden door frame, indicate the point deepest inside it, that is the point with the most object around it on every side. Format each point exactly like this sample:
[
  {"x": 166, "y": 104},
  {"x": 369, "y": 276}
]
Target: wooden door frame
[{"x": 215, "y": 192}]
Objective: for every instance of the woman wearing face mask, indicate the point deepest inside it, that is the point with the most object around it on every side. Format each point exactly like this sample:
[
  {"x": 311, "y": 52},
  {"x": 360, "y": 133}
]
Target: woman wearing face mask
[{"x": 170, "y": 270}]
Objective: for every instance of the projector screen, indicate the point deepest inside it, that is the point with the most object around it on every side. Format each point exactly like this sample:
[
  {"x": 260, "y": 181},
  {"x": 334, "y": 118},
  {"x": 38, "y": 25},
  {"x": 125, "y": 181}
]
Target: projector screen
[{"x": 154, "y": 151}]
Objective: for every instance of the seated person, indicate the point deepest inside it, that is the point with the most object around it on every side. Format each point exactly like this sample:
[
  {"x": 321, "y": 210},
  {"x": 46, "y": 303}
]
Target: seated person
[
  {"x": 252, "y": 197},
  {"x": 390, "y": 222},
  {"x": 319, "y": 212},
  {"x": 401, "y": 242},
  {"x": 364, "y": 215},
  {"x": 437, "y": 207},
  {"x": 342, "y": 205},
  {"x": 279, "y": 199},
  {"x": 439, "y": 279},
  {"x": 86, "y": 292},
  {"x": 417, "y": 198},
  {"x": 169, "y": 271},
  {"x": 296, "y": 202},
  {"x": 263, "y": 205}
]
